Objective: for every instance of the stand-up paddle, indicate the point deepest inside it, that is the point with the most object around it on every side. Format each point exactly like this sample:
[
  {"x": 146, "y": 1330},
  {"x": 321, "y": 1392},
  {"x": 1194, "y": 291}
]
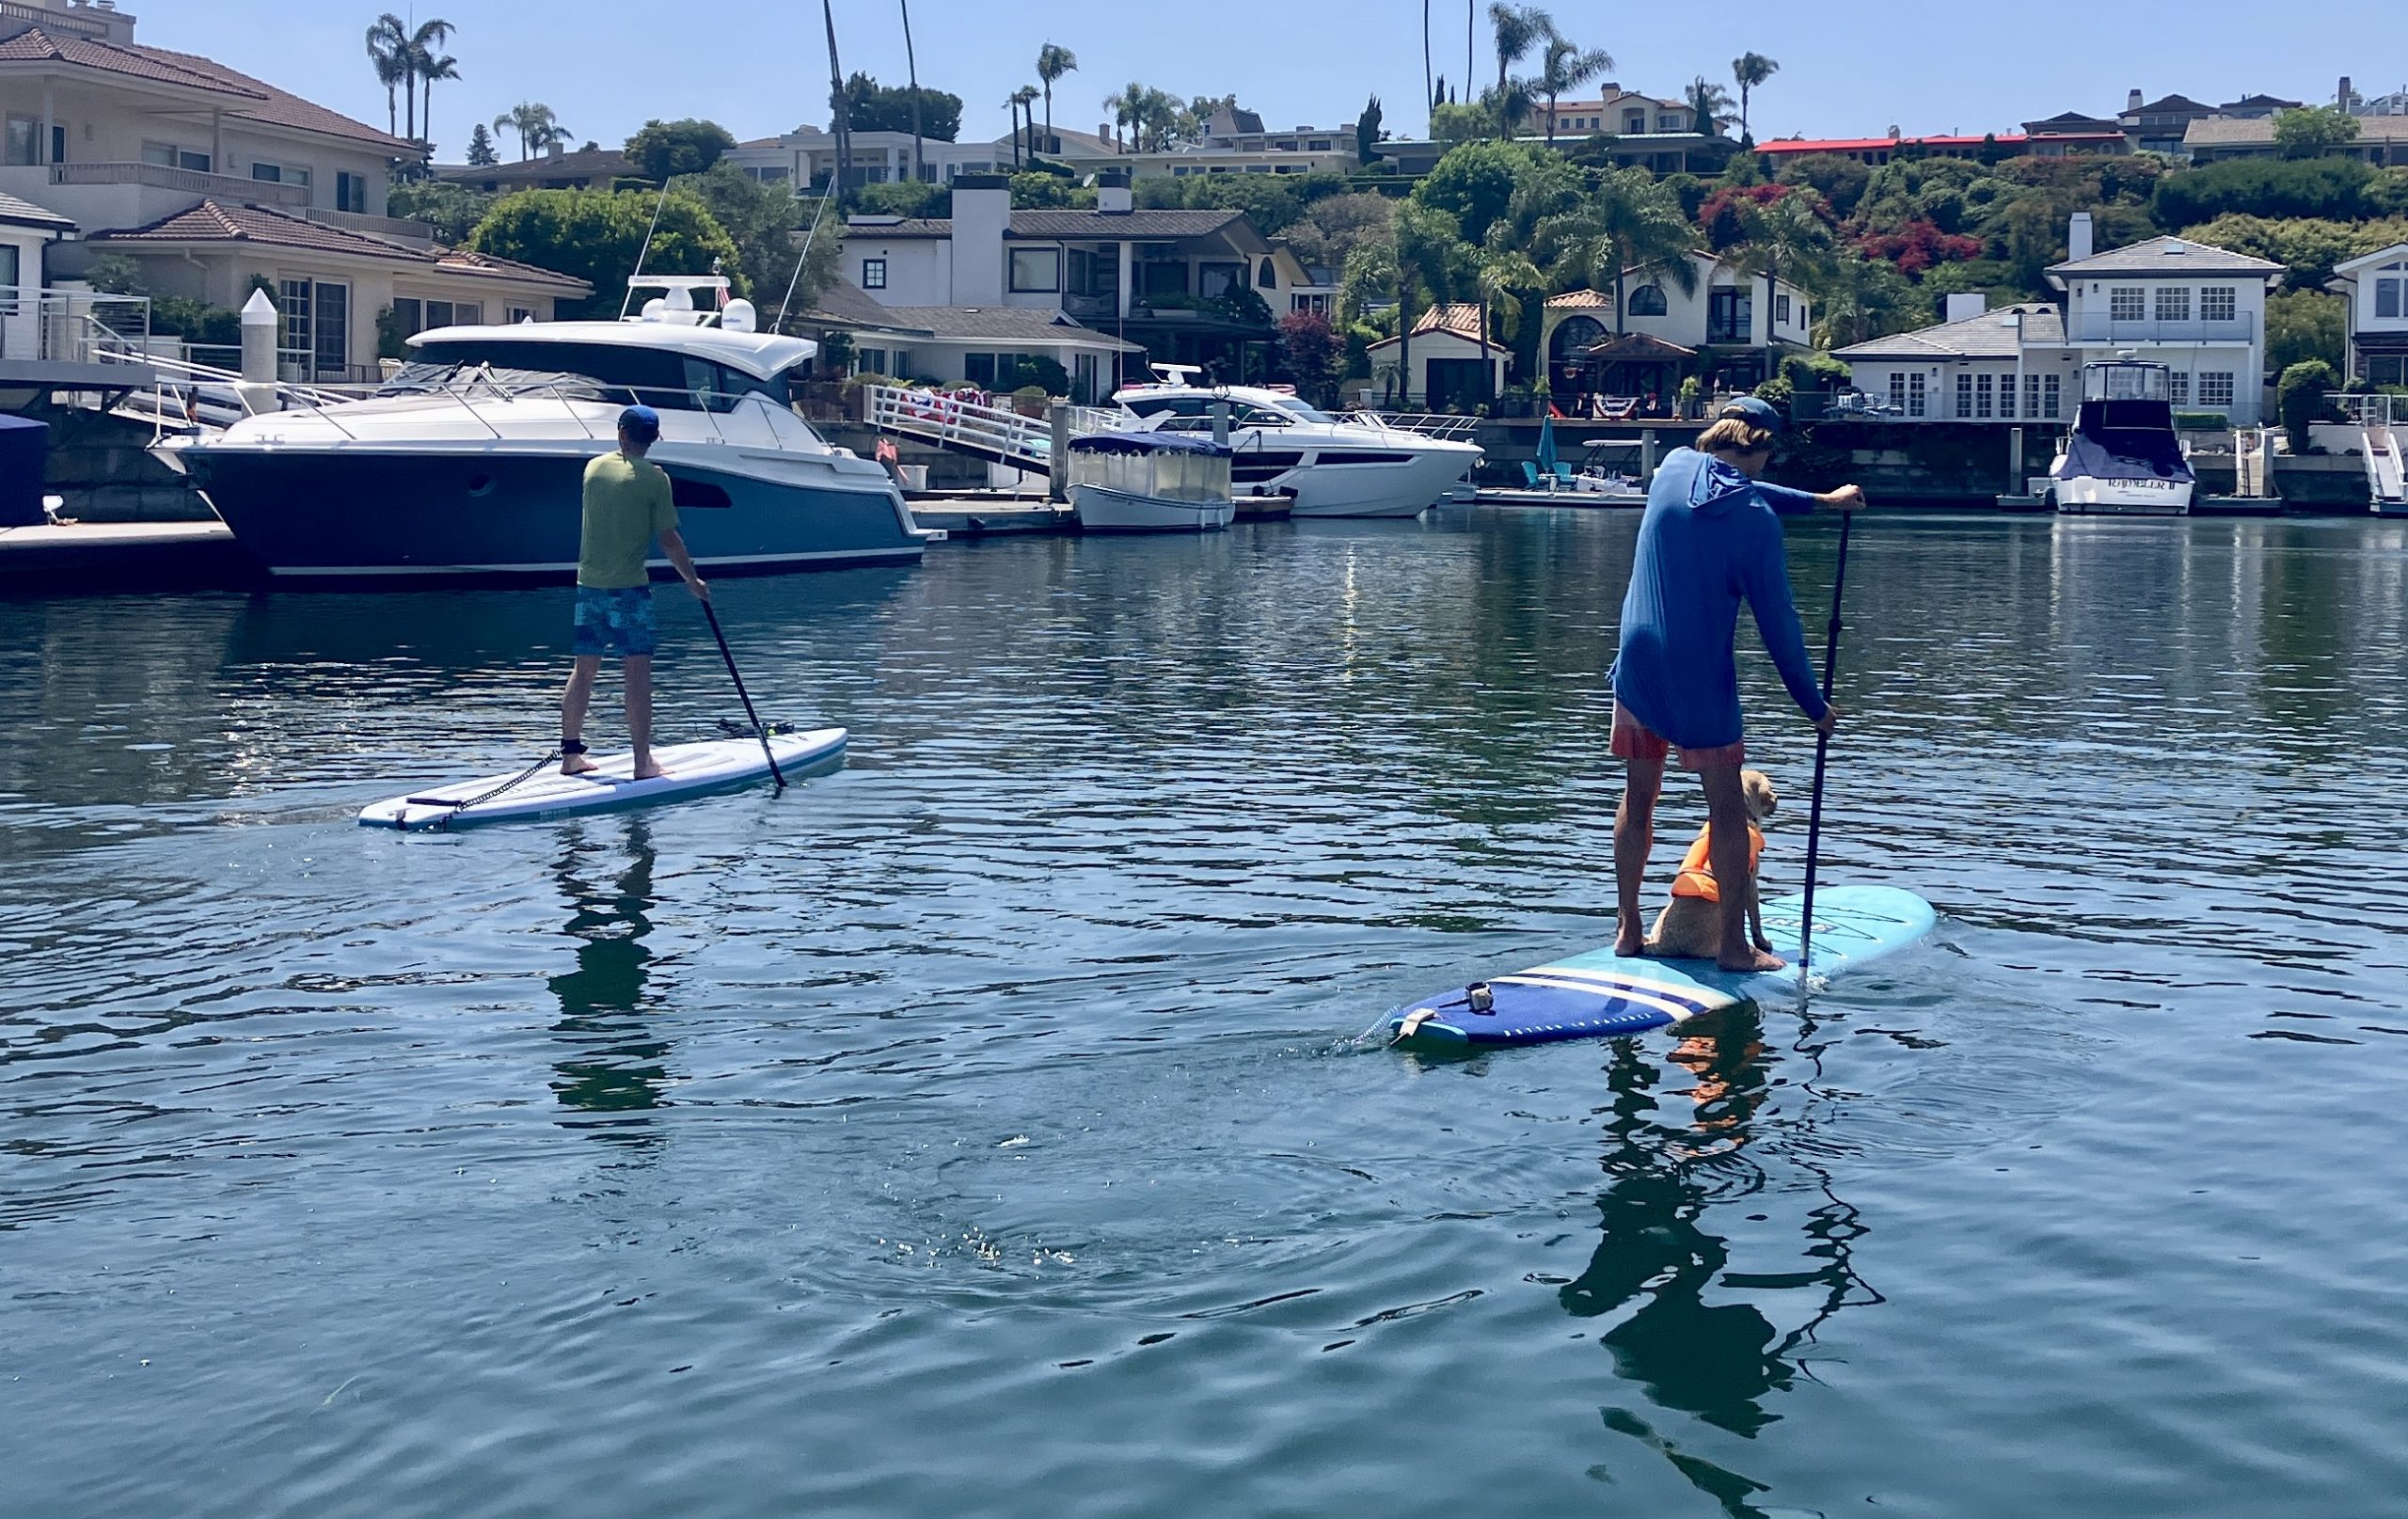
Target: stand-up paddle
[
  {"x": 1822, "y": 755},
  {"x": 771, "y": 754}
]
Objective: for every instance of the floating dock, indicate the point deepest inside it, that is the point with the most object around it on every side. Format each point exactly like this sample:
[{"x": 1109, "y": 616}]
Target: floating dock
[{"x": 123, "y": 556}]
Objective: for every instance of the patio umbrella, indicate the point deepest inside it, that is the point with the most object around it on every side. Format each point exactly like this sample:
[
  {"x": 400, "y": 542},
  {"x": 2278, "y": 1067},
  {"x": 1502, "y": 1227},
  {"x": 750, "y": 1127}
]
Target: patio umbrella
[{"x": 1547, "y": 445}]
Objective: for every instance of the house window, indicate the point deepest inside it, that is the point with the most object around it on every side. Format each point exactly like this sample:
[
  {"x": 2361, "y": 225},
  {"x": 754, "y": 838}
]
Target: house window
[
  {"x": 1635, "y": 122},
  {"x": 2387, "y": 297},
  {"x": 1781, "y": 310},
  {"x": 8, "y": 272},
  {"x": 1269, "y": 277},
  {"x": 2127, "y": 303},
  {"x": 2051, "y": 395},
  {"x": 24, "y": 140},
  {"x": 1915, "y": 394},
  {"x": 869, "y": 360},
  {"x": 2215, "y": 391},
  {"x": 1037, "y": 271},
  {"x": 351, "y": 191},
  {"x": 1214, "y": 280},
  {"x": 2174, "y": 302},
  {"x": 2218, "y": 303},
  {"x": 1982, "y": 396},
  {"x": 1898, "y": 389},
  {"x": 979, "y": 370},
  {"x": 280, "y": 174},
  {"x": 2177, "y": 389},
  {"x": 1647, "y": 300},
  {"x": 873, "y": 273},
  {"x": 1964, "y": 394},
  {"x": 408, "y": 316},
  {"x": 469, "y": 313},
  {"x": 2031, "y": 395}
]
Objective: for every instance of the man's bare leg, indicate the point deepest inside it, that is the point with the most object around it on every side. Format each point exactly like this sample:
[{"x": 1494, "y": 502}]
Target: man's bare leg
[
  {"x": 638, "y": 671},
  {"x": 1634, "y": 837},
  {"x": 573, "y": 703},
  {"x": 1726, "y": 811}
]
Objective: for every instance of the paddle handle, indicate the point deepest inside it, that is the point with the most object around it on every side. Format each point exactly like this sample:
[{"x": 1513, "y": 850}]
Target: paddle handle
[
  {"x": 1822, "y": 758},
  {"x": 746, "y": 697}
]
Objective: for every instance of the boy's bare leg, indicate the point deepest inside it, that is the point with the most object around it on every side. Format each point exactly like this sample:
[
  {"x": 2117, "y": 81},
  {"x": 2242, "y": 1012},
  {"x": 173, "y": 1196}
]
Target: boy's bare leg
[
  {"x": 1633, "y": 838},
  {"x": 573, "y": 703},
  {"x": 638, "y": 673}
]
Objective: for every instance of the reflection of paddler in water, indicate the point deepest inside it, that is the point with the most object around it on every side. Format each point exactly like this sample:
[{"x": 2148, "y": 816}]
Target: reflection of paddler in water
[
  {"x": 615, "y": 1067},
  {"x": 1718, "y": 1361}
]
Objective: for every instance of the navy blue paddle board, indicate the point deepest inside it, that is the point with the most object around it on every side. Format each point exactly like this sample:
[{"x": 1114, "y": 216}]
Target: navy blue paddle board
[{"x": 1601, "y": 994}]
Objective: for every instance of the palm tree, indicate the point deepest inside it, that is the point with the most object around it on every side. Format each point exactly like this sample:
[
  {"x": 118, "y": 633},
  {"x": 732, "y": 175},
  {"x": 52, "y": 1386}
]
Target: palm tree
[
  {"x": 1125, "y": 107},
  {"x": 418, "y": 51},
  {"x": 1564, "y": 67},
  {"x": 1025, "y": 99},
  {"x": 1786, "y": 237},
  {"x": 1519, "y": 28},
  {"x": 1053, "y": 62},
  {"x": 841, "y": 119},
  {"x": 1708, "y": 103},
  {"x": 446, "y": 66},
  {"x": 536, "y": 126},
  {"x": 1429, "y": 85},
  {"x": 911, "y": 67},
  {"x": 1501, "y": 273},
  {"x": 1629, "y": 222},
  {"x": 388, "y": 42},
  {"x": 1750, "y": 69}
]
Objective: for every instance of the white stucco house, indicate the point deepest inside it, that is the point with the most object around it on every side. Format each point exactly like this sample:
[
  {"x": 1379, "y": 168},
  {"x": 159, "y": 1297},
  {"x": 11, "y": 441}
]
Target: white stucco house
[
  {"x": 2198, "y": 310},
  {"x": 1112, "y": 286},
  {"x": 1439, "y": 369},
  {"x": 207, "y": 178},
  {"x": 2377, "y": 287},
  {"x": 1747, "y": 320}
]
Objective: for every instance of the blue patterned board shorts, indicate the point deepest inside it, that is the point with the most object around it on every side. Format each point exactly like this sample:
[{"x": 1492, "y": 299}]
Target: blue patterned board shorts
[{"x": 615, "y": 622}]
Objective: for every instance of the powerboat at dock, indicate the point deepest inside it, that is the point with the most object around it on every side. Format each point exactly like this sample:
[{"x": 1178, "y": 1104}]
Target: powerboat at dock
[
  {"x": 1151, "y": 482},
  {"x": 2123, "y": 456},
  {"x": 467, "y": 463},
  {"x": 1330, "y": 466}
]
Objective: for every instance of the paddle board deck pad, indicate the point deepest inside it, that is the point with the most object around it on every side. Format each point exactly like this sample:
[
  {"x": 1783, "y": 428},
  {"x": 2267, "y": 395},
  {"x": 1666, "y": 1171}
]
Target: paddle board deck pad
[
  {"x": 1601, "y": 994},
  {"x": 692, "y": 769}
]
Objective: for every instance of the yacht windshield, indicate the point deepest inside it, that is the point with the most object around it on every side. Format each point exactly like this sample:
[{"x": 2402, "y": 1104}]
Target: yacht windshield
[
  {"x": 657, "y": 376},
  {"x": 1304, "y": 413},
  {"x": 424, "y": 378}
]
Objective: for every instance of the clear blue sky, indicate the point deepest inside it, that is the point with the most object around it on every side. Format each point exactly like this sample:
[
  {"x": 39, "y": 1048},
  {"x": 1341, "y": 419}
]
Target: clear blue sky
[{"x": 756, "y": 66}]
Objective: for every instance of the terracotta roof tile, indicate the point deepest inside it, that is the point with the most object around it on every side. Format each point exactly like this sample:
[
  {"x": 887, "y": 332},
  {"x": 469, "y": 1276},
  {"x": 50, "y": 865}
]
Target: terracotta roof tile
[
  {"x": 214, "y": 221},
  {"x": 35, "y": 45},
  {"x": 278, "y": 107}
]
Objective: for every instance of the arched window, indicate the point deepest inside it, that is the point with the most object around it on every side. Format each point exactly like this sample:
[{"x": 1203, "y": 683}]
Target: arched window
[
  {"x": 1647, "y": 300},
  {"x": 1572, "y": 334},
  {"x": 1269, "y": 278}
]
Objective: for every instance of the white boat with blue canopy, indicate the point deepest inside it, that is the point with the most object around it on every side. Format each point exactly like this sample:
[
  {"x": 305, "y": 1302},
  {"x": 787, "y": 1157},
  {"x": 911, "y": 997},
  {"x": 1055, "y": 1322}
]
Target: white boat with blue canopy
[
  {"x": 2122, "y": 455},
  {"x": 1151, "y": 482},
  {"x": 467, "y": 462}
]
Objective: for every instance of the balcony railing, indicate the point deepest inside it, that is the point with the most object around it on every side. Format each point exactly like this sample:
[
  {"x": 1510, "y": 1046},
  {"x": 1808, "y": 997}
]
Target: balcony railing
[
  {"x": 73, "y": 326},
  {"x": 419, "y": 233},
  {"x": 192, "y": 182},
  {"x": 2096, "y": 326}
]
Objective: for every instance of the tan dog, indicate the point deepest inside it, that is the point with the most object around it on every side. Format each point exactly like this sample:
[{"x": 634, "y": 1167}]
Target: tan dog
[{"x": 1691, "y": 926}]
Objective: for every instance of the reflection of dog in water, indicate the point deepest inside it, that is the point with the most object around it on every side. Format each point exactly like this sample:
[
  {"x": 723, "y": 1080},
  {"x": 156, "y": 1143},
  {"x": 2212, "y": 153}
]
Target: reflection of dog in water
[{"x": 1691, "y": 926}]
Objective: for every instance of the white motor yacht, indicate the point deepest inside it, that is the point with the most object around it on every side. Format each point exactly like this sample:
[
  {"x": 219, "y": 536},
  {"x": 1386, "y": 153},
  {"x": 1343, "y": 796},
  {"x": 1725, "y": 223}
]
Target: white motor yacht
[
  {"x": 2122, "y": 456},
  {"x": 1328, "y": 466},
  {"x": 468, "y": 462}
]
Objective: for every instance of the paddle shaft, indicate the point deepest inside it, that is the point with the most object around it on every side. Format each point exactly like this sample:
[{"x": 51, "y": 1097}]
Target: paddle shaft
[
  {"x": 1822, "y": 756},
  {"x": 769, "y": 755}
]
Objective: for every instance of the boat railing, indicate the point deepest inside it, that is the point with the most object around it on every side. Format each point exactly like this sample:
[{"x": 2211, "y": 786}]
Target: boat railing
[{"x": 1442, "y": 425}]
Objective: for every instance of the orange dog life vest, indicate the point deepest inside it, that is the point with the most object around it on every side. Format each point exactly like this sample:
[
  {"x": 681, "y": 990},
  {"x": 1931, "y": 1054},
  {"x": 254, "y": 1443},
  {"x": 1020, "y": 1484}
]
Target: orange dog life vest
[{"x": 1697, "y": 869}]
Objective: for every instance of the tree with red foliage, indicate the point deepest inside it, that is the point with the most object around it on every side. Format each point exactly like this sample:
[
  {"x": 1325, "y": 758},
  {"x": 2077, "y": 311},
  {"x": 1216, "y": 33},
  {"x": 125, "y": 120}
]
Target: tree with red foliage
[
  {"x": 1723, "y": 216},
  {"x": 1917, "y": 245},
  {"x": 1312, "y": 350}
]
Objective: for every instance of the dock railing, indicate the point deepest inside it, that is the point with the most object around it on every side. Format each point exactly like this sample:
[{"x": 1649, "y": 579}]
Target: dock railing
[{"x": 972, "y": 422}]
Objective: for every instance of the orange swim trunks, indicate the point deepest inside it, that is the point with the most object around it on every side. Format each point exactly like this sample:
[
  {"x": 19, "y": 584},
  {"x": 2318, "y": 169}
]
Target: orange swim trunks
[{"x": 1633, "y": 739}]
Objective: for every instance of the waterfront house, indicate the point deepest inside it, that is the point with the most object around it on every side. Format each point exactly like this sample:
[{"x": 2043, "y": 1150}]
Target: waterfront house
[
  {"x": 805, "y": 158},
  {"x": 1735, "y": 323},
  {"x": 554, "y": 169},
  {"x": 2157, "y": 126},
  {"x": 1616, "y": 112},
  {"x": 2009, "y": 365},
  {"x": 1440, "y": 368},
  {"x": 2377, "y": 287},
  {"x": 1879, "y": 151},
  {"x": 980, "y": 345},
  {"x": 2199, "y": 311},
  {"x": 208, "y": 177},
  {"x": 1191, "y": 287}
]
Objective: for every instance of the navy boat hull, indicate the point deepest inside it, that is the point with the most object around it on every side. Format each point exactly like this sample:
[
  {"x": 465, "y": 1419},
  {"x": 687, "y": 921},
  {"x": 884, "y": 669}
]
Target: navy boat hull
[{"x": 516, "y": 513}]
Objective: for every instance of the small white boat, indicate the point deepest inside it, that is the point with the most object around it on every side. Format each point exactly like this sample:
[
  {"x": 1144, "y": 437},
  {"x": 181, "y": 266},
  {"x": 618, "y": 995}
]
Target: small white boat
[
  {"x": 1151, "y": 482},
  {"x": 2123, "y": 456}
]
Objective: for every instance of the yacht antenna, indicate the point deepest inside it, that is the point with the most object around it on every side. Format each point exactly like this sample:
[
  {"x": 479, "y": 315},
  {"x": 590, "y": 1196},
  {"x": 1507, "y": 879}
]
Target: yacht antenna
[
  {"x": 630, "y": 295},
  {"x": 779, "y": 324}
]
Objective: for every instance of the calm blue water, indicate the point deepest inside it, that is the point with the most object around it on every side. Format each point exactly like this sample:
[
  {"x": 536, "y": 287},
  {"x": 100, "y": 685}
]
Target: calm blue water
[{"x": 985, "y": 1129}]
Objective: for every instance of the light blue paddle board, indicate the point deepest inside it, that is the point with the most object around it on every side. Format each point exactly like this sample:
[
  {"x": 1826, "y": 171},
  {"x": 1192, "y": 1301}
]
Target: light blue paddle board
[
  {"x": 692, "y": 769},
  {"x": 1601, "y": 994}
]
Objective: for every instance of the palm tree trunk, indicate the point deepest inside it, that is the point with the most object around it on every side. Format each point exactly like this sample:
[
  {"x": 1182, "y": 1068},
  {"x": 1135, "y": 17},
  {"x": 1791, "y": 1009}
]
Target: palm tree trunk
[
  {"x": 392, "y": 114},
  {"x": 841, "y": 107},
  {"x": 409, "y": 92},
  {"x": 1049, "y": 119},
  {"x": 912, "y": 65},
  {"x": 1428, "y": 81},
  {"x": 1488, "y": 369}
]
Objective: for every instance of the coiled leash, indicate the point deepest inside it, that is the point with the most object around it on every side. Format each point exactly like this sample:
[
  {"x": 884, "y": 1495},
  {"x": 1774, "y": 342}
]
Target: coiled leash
[{"x": 567, "y": 747}]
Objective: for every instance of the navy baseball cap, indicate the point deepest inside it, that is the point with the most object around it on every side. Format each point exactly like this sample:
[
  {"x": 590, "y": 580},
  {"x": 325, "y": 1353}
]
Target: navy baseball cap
[
  {"x": 644, "y": 423},
  {"x": 1755, "y": 409}
]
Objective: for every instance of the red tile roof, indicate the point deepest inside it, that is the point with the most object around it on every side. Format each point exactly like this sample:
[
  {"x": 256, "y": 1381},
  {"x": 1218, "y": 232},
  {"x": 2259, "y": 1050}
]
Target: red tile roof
[
  {"x": 1867, "y": 145},
  {"x": 214, "y": 221},
  {"x": 249, "y": 99}
]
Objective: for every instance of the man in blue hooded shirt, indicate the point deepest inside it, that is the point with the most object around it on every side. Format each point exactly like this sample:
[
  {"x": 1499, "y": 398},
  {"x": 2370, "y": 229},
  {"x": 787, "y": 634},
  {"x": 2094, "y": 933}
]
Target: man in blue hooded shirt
[{"x": 1709, "y": 541}]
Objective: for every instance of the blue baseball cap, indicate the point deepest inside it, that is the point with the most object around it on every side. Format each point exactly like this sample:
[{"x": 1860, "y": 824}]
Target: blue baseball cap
[
  {"x": 1755, "y": 409},
  {"x": 641, "y": 422}
]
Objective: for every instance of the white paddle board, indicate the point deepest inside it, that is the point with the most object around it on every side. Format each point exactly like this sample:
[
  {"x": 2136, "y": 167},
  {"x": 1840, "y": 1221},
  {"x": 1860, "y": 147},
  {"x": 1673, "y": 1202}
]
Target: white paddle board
[{"x": 688, "y": 770}]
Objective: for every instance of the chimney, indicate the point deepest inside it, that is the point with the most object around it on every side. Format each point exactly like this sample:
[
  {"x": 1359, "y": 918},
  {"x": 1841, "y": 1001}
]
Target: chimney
[
  {"x": 1112, "y": 194},
  {"x": 2132, "y": 101},
  {"x": 553, "y": 149},
  {"x": 1963, "y": 305},
  {"x": 2342, "y": 100},
  {"x": 2078, "y": 244},
  {"x": 982, "y": 213}
]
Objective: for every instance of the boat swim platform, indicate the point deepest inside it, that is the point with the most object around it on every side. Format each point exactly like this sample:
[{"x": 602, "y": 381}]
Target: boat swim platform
[
  {"x": 123, "y": 556},
  {"x": 972, "y": 513},
  {"x": 1586, "y": 500}
]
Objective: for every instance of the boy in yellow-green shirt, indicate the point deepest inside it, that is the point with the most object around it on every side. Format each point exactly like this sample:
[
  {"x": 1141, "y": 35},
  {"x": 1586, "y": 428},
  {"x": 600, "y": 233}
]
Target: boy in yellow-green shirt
[{"x": 628, "y": 505}]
